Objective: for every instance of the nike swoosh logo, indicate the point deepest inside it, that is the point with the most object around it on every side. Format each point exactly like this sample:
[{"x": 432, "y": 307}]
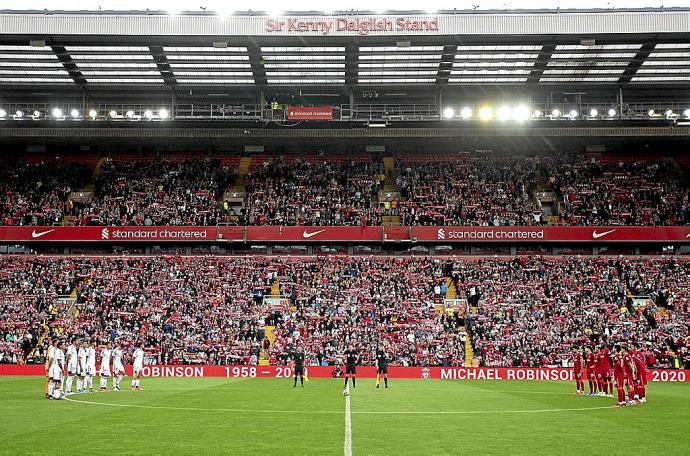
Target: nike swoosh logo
[
  {"x": 34, "y": 234},
  {"x": 596, "y": 235},
  {"x": 307, "y": 235}
]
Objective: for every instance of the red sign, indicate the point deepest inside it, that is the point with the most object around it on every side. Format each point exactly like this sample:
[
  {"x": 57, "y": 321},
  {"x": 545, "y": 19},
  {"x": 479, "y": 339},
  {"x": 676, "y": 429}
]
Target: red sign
[
  {"x": 443, "y": 373},
  {"x": 108, "y": 233},
  {"x": 378, "y": 234},
  {"x": 313, "y": 113},
  {"x": 514, "y": 234},
  {"x": 315, "y": 233}
]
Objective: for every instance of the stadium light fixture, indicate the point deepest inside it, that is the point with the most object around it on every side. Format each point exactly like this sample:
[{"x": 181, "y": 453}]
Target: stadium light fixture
[
  {"x": 593, "y": 112},
  {"x": 538, "y": 113},
  {"x": 148, "y": 114},
  {"x": 130, "y": 114},
  {"x": 113, "y": 114},
  {"x": 520, "y": 113},
  {"x": 503, "y": 113},
  {"x": 686, "y": 113},
  {"x": 3, "y": 113},
  {"x": 466, "y": 113},
  {"x": 74, "y": 113},
  {"x": 556, "y": 113},
  {"x": 19, "y": 114},
  {"x": 57, "y": 113},
  {"x": 93, "y": 114},
  {"x": 573, "y": 114},
  {"x": 651, "y": 113},
  {"x": 612, "y": 112},
  {"x": 669, "y": 113},
  {"x": 163, "y": 114},
  {"x": 37, "y": 114},
  {"x": 486, "y": 113},
  {"x": 448, "y": 113}
]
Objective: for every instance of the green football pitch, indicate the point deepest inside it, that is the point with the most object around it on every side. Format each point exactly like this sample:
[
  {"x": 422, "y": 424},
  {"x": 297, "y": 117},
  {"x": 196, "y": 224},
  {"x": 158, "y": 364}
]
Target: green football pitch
[{"x": 269, "y": 417}]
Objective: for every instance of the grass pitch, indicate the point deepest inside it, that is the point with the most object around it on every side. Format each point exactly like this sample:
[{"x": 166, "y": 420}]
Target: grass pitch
[{"x": 268, "y": 416}]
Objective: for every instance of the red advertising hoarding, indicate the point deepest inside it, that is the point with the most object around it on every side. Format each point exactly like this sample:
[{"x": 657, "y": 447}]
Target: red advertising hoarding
[
  {"x": 310, "y": 113},
  {"x": 442, "y": 373},
  {"x": 431, "y": 234},
  {"x": 108, "y": 233}
]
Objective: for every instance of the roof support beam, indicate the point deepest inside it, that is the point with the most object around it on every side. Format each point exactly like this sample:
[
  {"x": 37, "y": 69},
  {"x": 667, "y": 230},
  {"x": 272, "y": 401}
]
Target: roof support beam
[
  {"x": 351, "y": 63},
  {"x": 640, "y": 57},
  {"x": 446, "y": 64},
  {"x": 69, "y": 65},
  {"x": 541, "y": 63},
  {"x": 163, "y": 65},
  {"x": 257, "y": 62}
]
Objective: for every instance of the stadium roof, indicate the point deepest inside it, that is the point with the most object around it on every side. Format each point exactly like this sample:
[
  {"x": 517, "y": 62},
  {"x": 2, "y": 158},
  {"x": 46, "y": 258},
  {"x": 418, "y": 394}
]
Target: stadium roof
[{"x": 250, "y": 52}]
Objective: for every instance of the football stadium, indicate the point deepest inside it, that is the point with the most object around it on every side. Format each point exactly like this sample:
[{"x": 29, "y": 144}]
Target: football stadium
[{"x": 361, "y": 229}]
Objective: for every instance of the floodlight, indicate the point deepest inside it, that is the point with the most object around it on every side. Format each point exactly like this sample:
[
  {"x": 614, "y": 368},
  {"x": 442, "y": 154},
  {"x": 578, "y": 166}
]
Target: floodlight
[
  {"x": 57, "y": 112},
  {"x": 521, "y": 113},
  {"x": 503, "y": 113},
  {"x": 74, "y": 113},
  {"x": 612, "y": 112},
  {"x": 486, "y": 113},
  {"x": 448, "y": 113},
  {"x": 593, "y": 112},
  {"x": 466, "y": 113},
  {"x": 163, "y": 113}
]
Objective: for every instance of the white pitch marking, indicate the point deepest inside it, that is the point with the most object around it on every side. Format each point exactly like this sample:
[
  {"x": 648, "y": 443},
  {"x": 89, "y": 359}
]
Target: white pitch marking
[
  {"x": 331, "y": 412},
  {"x": 348, "y": 428}
]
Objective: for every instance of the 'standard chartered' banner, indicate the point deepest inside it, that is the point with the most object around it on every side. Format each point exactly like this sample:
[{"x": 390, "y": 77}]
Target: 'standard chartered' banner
[
  {"x": 366, "y": 234},
  {"x": 313, "y": 113},
  {"x": 442, "y": 373}
]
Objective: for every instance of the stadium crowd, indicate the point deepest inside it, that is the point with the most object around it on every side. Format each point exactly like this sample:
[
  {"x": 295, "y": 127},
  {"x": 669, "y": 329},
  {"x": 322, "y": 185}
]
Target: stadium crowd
[
  {"x": 318, "y": 190},
  {"x": 526, "y": 311},
  {"x": 620, "y": 192},
  {"x": 312, "y": 192},
  {"x": 480, "y": 192}
]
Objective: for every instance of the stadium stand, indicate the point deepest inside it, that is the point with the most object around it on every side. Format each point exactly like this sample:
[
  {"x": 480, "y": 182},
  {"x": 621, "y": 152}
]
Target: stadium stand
[{"x": 522, "y": 311}]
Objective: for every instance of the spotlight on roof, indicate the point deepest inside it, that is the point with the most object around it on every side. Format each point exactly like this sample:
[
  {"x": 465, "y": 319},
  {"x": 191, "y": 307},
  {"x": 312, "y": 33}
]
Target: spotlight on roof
[
  {"x": 612, "y": 112},
  {"x": 148, "y": 114},
  {"x": 163, "y": 114},
  {"x": 651, "y": 113},
  {"x": 3, "y": 113},
  {"x": 556, "y": 113},
  {"x": 669, "y": 113},
  {"x": 19, "y": 114},
  {"x": 130, "y": 114},
  {"x": 448, "y": 113},
  {"x": 686, "y": 113},
  {"x": 572, "y": 114},
  {"x": 466, "y": 113},
  {"x": 74, "y": 113},
  {"x": 93, "y": 114},
  {"x": 486, "y": 113},
  {"x": 593, "y": 112},
  {"x": 57, "y": 112},
  {"x": 503, "y": 113},
  {"x": 538, "y": 113},
  {"x": 113, "y": 114},
  {"x": 520, "y": 113},
  {"x": 37, "y": 114}
]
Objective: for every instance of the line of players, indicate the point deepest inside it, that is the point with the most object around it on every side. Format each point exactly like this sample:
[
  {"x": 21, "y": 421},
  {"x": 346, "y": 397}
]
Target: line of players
[
  {"x": 78, "y": 361},
  {"x": 626, "y": 365},
  {"x": 351, "y": 361}
]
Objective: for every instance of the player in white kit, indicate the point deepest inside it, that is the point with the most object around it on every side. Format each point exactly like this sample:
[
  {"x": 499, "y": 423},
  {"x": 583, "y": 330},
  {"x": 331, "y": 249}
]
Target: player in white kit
[
  {"x": 118, "y": 367},
  {"x": 81, "y": 367},
  {"x": 138, "y": 365},
  {"x": 57, "y": 367},
  {"x": 90, "y": 365},
  {"x": 105, "y": 366},
  {"x": 72, "y": 365}
]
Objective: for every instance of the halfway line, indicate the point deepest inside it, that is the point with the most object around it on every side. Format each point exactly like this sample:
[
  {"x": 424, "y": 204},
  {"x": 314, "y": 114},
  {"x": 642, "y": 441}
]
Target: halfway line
[{"x": 348, "y": 428}]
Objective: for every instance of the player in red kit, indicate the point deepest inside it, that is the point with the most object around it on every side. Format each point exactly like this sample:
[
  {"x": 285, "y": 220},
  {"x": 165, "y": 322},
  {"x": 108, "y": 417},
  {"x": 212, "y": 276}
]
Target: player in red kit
[
  {"x": 577, "y": 372},
  {"x": 590, "y": 363},
  {"x": 630, "y": 375},
  {"x": 605, "y": 371},
  {"x": 619, "y": 374},
  {"x": 641, "y": 374}
]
